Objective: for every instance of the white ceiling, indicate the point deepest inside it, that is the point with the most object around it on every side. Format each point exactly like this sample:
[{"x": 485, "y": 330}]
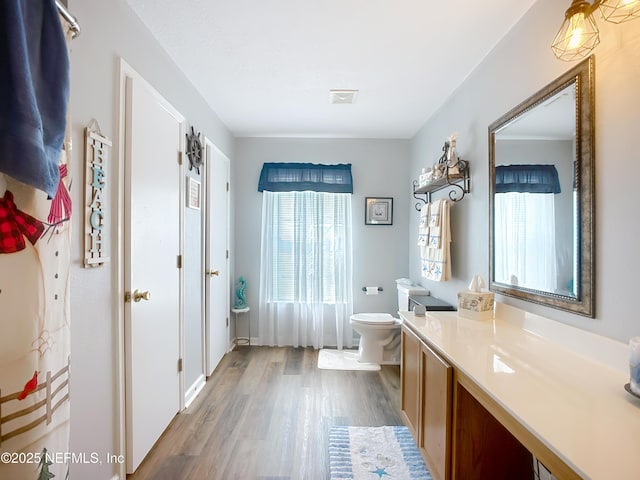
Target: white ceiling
[
  {"x": 553, "y": 119},
  {"x": 266, "y": 66}
]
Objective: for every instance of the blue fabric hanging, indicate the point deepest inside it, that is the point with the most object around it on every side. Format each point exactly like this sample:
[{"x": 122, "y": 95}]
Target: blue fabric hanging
[
  {"x": 527, "y": 179},
  {"x": 34, "y": 90},
  {"x": 298, "y": 177}
]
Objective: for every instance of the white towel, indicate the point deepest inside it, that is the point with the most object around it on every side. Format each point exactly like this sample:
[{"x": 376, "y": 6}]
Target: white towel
[
  {"x": 435, "y": 213},
  {"x": 423, "y": 228},
  {"x": 436, "y": 257}
]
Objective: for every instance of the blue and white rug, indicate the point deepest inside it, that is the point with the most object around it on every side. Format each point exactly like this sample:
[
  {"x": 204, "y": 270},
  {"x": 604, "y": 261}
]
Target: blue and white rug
[{"x": 374, "y": 453}]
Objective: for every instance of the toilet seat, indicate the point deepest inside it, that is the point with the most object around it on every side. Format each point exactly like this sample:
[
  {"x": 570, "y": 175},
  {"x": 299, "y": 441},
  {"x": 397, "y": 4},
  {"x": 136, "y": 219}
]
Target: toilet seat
[{"x": 374, "y": 318}]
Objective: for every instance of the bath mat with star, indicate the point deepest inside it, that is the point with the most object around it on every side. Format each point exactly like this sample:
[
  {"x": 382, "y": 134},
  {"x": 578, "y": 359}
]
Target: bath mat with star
[{"x": 363, "y": 453}]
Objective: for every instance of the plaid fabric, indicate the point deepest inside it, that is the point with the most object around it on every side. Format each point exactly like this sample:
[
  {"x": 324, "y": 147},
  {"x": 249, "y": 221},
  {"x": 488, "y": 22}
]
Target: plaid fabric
[{"x": 15, "y": 225}]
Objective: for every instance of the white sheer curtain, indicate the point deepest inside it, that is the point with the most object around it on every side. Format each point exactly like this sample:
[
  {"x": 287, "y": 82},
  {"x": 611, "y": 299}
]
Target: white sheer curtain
[
  {"x": 525, "y": 237},
  {"x": 306, "y": 295}
]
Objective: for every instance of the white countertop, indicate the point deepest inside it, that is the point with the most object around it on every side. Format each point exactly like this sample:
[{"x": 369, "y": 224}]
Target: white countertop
[{"x": 574, "y": 404}]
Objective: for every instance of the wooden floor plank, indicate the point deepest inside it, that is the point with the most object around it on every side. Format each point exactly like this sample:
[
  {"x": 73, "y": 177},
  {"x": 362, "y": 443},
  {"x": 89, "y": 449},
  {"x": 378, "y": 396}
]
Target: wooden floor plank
[{"x": 265, "y": 414}]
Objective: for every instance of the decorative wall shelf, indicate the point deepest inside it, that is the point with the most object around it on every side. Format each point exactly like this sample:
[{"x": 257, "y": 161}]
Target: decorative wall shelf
[{"x": 459, "y": 185}]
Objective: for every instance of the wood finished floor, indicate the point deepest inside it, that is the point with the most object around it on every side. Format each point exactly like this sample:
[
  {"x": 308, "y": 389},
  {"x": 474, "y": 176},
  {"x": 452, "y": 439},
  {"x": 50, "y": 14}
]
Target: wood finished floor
[{"x": 265, "y": 414}]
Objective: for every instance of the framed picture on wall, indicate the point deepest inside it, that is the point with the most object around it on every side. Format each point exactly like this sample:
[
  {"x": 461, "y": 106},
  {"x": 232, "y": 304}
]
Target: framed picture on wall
[
  {"x": 378, "y": 211},
  {"x": 193, "y": 194}
]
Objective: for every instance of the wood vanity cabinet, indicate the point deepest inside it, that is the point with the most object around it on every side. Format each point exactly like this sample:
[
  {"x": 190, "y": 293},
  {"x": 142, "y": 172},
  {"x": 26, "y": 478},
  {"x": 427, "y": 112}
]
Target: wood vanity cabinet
[
  {"x": 482, "y": 447},
  {"x": 458, "y": 438},
  {"x": 410, "y": 381},
  {"x": 435, "y": 413},
  {"x": 426, "y": 385}
]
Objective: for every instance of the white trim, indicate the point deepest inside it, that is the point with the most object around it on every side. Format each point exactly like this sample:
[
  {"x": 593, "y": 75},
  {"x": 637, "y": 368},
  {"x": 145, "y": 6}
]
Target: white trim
[
  {"x": 116, "y": 477},
  {"x": 204, "y": 212},
  {"x": 193, "y": 391},
  {"x": 183, "y": 203},
  {"x": 118, "y": 165}
]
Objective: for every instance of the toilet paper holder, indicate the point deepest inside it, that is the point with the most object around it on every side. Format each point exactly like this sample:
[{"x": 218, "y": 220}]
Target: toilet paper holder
[{"x": 364, "y": 289}]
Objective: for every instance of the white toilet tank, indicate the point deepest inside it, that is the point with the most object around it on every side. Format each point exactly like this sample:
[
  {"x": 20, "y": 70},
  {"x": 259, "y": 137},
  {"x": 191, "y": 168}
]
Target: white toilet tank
[{"x": 406, "y": 288}]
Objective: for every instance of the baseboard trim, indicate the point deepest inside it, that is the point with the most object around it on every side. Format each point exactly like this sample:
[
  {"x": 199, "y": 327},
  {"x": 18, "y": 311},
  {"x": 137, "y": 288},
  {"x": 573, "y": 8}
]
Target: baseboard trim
[{"x": 193, "y": 391}]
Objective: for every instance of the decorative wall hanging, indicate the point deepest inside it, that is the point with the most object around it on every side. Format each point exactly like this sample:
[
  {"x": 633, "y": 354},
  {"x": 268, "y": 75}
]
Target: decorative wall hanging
[
  {"x": 193, "y": 193},
  {"x": 194, "y": 150},
  {"x": 96, "y": 158}
]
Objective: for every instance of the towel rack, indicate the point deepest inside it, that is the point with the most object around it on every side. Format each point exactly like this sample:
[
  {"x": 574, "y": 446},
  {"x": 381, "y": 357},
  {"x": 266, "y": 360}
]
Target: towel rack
[
  {"x": 461, "y": 182},
  {"x": 364, "y": 289}
]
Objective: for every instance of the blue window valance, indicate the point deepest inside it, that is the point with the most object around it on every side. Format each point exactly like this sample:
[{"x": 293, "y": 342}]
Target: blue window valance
[
  {"x": 527, "y": 179},
  {"x": 298, "y": 177}
]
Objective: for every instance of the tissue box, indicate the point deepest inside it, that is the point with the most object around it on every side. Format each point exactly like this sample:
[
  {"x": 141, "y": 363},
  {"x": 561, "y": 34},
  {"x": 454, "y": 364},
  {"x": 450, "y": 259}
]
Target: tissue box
[{"x": 475, "y": 305}]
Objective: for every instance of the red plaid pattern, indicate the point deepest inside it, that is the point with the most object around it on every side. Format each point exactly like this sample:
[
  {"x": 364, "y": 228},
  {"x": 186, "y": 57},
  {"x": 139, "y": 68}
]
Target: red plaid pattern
[{"x": 15, "y": 225}]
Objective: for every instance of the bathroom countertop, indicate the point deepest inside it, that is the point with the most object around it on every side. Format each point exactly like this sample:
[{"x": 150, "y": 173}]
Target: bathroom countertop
[{"x": 574, "y": 404}]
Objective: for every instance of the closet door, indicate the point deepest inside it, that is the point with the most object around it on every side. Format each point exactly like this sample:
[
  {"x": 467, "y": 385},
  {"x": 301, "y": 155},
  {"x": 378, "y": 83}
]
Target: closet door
[
  {"x": 217, "y": 282},
  {"x": 151, "y": 276}
]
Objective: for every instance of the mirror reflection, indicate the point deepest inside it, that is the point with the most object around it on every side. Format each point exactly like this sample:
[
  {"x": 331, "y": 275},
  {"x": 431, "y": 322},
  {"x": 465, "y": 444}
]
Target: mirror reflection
[
  {"x": 541, "y": 195},
  {"x": 535, "y": 201}
]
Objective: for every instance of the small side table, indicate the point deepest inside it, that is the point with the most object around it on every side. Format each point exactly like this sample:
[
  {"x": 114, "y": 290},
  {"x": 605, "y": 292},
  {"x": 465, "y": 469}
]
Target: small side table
[{"x": 243, "y": 340}]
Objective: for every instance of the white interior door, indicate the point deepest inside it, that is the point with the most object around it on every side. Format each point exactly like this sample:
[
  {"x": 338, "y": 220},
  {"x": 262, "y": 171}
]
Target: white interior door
[
  {"x": 153, "y": 140},
  {"x": 217, "y": 256}
]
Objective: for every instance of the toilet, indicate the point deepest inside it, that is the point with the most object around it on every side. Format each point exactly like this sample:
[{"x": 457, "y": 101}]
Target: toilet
[{"x": 380, "y": 332}]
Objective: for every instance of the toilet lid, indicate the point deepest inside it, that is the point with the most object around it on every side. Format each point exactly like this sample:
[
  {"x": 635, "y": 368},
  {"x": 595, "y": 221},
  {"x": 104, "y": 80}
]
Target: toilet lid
[{"x": 374, "y": 318}]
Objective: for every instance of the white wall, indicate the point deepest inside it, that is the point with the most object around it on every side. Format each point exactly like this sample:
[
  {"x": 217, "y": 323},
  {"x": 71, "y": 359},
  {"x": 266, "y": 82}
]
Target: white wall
[
  {"x": 379, "y": 168},
  {"x": 521, "y": 64},
  {"x": 109, "y": 30}
]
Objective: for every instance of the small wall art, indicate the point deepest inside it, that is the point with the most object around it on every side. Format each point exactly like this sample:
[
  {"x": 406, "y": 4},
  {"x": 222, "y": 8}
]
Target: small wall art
[
  {"x": 378, "y": 211},
  {"x": 193, "y": 193}
]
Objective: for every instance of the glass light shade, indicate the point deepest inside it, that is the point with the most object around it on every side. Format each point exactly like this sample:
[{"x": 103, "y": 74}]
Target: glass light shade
[
  {"x": 578, "y": 34},
  {"x": 618, "y": 11}
]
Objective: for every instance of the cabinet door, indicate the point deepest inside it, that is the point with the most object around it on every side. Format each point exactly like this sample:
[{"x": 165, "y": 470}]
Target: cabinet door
[
  {"x": 436, "y": 408},
  {"x": 410, "y": 381}
]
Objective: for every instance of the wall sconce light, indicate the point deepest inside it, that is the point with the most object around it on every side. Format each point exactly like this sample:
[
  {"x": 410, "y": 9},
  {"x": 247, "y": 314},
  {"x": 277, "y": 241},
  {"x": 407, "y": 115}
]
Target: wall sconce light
[{"x": 579, "y": 34}]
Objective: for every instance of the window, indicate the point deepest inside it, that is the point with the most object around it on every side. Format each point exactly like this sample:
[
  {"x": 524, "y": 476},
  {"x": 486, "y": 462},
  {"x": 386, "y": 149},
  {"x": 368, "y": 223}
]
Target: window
[
  {"x": 309, "y": 246},
  {"x": 306, "y": 255},
  {"x": 525, "y": 234}
]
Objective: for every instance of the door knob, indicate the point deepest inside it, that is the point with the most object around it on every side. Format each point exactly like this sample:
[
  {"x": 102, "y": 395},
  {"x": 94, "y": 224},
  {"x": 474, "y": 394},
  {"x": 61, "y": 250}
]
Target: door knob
[
  {"x": 137, "y": 295},
  {"x": 212, "y": 273}
]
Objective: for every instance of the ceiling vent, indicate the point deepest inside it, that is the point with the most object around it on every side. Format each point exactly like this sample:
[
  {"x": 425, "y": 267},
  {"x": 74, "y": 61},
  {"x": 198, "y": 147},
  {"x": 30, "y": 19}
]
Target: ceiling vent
[{"x": 343, "y": 96}]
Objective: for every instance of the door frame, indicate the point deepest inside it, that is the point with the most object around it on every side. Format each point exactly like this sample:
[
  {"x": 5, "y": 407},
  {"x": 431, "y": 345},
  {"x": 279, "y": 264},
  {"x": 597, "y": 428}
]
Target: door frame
[{"x": 117, "y": 238}]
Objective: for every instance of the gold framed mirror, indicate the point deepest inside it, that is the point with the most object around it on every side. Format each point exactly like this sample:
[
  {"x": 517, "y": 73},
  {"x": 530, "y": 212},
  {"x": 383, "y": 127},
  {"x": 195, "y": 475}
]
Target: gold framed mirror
[{"x": 541, "y": 195}]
